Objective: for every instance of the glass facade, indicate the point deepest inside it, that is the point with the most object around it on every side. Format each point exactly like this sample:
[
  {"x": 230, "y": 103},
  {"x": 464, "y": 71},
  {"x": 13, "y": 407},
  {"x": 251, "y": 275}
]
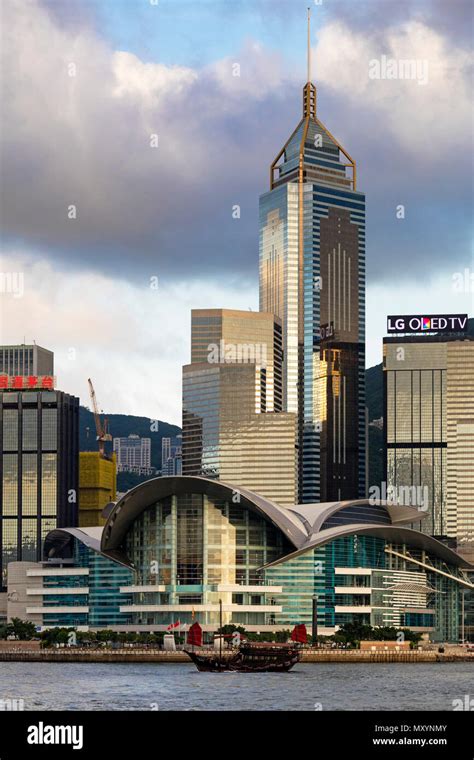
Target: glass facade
[
  {"x": 429, "y": 407},
  {"x": 194, "y": 550},
  {"x": 38, "y": 453},
  {"x": 233, "y": 427},
  {"x": 359, "y": 578},
  {"x": 94, "y": 599},
  {"x": 312, "y": 276}
]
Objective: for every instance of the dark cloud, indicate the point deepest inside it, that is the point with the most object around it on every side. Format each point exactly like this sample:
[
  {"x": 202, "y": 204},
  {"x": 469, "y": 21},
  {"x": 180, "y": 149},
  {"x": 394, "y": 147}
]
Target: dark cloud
[
  {"x": 72, "y": 14},
  {"x": 168, "y": 211},
  {"x": 453, "y": 19}
]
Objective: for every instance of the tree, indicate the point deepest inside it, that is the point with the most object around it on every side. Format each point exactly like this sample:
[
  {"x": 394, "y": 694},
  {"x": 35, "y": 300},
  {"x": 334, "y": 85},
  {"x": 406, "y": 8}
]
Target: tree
[
  {"x": 282, "y": 636},
  {"x": 53, "y": 636},
  {"x": 21, "y": 629}
]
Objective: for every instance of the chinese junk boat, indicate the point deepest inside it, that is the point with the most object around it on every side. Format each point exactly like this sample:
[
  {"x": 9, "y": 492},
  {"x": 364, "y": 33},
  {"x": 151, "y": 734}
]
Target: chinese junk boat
[{"x": 249, "y": 657}]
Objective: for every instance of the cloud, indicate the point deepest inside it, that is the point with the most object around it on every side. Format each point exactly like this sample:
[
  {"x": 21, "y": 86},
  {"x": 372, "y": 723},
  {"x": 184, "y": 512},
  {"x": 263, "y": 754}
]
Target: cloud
[
  {"x": 84, "y": 140},
  {"x": 439, "y": 295},
  {"x": 403, "y": 136},
  {"x": 451, "y": 19},
  {"x": 131, "y": 340},
  {"x": 438, "y": 104}
]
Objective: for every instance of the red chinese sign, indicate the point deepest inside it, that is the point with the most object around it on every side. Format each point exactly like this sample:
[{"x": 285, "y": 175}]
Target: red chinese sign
[{"x": 27, "y": 382}]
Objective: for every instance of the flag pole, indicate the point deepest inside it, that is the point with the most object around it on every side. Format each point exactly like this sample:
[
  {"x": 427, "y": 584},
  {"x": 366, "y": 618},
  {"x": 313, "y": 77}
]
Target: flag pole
[{"x": 220, "y": 635}]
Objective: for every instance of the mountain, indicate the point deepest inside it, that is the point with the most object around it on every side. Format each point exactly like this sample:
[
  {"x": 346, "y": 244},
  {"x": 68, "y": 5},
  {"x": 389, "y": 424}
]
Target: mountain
[
  {"x": 121, "y": 426},
  {"x": 374, "y": 391}
]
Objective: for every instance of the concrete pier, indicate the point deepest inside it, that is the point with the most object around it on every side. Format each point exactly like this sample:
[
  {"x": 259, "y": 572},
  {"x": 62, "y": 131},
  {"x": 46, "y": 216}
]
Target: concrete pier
[{"x": 18, "y": 654}]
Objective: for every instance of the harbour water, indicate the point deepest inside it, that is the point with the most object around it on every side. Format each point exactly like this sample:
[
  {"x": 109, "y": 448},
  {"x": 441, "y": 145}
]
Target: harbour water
[{"x": 326, "y": 686}]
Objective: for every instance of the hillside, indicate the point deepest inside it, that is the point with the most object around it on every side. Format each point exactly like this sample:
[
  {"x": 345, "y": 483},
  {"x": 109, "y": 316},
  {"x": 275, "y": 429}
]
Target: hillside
[
  {"x": 121, "y": 426},
  {"x": 374, "y": 391}
]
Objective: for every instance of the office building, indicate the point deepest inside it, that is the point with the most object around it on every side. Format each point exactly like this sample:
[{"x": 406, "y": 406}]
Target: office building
[
  {"x": 230, "y": 336},
  {"x": 429, "y": 428},
  {"x": 233, "y": 428},
  {"x": 132, "y": 452},
  {"x": 97, "y": 486},
  {"x": 312, "y": 276},
  {"x": 39, "y": 442},
  {"x": 26, "y": 360}
]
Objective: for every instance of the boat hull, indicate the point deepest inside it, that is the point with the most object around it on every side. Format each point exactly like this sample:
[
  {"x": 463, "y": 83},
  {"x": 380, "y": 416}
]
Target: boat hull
[{"x": 245, "y": 663}]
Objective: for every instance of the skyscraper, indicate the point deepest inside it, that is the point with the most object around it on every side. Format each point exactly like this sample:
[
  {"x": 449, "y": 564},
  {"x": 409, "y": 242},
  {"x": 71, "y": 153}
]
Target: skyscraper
[
  {"x": 233, "y": 428},
  {"x": 39, "y": 443},
  {"x": 312, "y": 276},
  {"x": 429, "y": 427}
]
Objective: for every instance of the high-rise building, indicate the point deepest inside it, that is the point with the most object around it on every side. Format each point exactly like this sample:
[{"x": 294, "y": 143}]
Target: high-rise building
[
  {"x": 312, "y": 276},
  {"x": 429, "y": 427},
  {"x": 233, "y": 428},
  {"x": 97, "y": 486},
  {"x": 132, "y": 452},
  {"x": 171, "y": 455},
  {"x": 26, "y": 360},
  {"x": 39, "y": 443}
]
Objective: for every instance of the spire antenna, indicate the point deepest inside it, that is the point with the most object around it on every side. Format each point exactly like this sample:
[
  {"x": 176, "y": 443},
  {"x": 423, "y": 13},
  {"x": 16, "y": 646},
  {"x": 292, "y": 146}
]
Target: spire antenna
[{"x": 309, "y": 45}]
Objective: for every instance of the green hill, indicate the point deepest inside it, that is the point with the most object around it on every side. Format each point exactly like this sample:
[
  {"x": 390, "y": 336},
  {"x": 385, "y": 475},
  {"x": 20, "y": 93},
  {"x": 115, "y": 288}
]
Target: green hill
[
  {"x": 121, "y": 426},
  {"x": 374, "y": 391}
]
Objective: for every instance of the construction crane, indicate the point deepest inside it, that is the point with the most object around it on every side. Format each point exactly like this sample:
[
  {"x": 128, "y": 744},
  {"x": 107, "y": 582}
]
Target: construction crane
[{"x": 101, "y": 429}]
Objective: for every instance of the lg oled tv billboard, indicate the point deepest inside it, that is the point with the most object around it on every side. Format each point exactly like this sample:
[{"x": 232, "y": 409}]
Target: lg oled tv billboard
[{"x": 433, "y": 323}]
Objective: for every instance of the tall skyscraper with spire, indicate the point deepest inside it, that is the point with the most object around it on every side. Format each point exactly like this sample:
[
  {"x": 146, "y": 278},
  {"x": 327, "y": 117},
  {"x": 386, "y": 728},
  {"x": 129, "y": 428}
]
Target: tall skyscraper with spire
[{"x": 312, "y": 276}]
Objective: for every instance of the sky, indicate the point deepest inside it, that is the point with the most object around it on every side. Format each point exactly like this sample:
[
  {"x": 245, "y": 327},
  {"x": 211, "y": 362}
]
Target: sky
[{"x": 126, "y": 141}]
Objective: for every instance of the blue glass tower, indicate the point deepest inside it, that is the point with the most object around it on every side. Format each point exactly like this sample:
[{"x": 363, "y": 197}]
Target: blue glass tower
[{"x": 312, "y": 276}]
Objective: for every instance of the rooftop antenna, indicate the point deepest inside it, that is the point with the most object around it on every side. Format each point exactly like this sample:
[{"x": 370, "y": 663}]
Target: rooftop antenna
[{"x": 309, "y": 45}]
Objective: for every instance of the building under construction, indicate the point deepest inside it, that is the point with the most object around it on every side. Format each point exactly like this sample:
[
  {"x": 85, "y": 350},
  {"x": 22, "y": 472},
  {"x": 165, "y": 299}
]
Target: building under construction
[
  {"x": 97, "y": 474},
  {"x": 97, "y": 486}
]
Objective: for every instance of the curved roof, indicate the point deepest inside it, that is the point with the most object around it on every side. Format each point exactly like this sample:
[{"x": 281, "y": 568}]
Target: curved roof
[
  {"x": 393, "y": 533},
  {"x": 301, "y": 524},
  {"x": 136, "y": 501},
  {"x": 315, "y": 515},
  {"x": 88, "y": 536}
]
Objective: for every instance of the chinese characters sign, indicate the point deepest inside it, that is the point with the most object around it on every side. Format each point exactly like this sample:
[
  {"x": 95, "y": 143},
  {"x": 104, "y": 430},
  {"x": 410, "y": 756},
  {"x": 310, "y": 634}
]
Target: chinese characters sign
[{"x": 27, "y": 382}]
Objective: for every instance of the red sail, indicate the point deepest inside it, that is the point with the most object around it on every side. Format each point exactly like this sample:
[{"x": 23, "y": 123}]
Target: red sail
[
  {"x": 299, "y": 634},
  {"x": 195, "y": 635}
]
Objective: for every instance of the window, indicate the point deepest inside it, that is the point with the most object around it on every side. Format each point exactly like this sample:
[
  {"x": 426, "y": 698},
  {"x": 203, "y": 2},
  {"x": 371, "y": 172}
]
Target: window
[
  {"x": 10, "y": 429},
  {"x": 30, "y": 430}
]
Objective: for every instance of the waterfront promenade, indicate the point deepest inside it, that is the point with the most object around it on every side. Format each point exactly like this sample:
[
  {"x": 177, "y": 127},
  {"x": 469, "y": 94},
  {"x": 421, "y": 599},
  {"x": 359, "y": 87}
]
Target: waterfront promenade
[{"x": 63, "y": 655}]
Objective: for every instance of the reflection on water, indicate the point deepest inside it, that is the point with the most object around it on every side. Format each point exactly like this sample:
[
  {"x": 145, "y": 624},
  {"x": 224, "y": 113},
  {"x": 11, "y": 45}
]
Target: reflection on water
[{"x": 325, "y": 686}]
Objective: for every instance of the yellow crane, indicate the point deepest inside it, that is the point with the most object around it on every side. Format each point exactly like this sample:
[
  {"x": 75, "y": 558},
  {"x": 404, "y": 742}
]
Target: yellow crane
[{"x": 101, "y": 429}]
